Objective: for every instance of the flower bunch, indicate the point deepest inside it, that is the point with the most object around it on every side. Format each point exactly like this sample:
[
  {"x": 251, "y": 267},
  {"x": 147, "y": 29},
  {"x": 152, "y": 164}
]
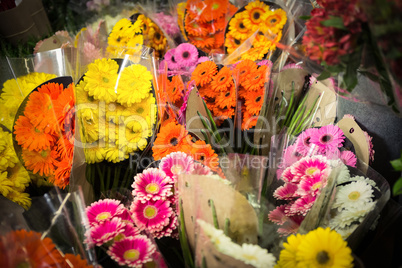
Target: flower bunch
[
  {"x": 167, "y": 23},
  {"x": 153, "y": 35},
  {"x": 205, "y": 21},
  {"x": 116, "y": 110},
  {"x": 247, "y": 253},
  {"x": 14, "y": 92},
  {"x": 13, "y": 176},
  {"x": 126, "y": 38},
  {"x": 303, "y": 182},
  {"x": 45, "y": 132},
  {"x": 259, "y": 19},
  {"x": 88, "y": 41},
  {"x": 173, "y": 137},
  {"x": 23, "y": 248},
  {"x": 318, "y": 248},
  {"x": 111, "y": 225}
]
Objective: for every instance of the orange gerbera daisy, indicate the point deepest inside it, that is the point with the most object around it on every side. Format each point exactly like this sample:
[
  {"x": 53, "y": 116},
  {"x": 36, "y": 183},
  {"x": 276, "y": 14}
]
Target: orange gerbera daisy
[
  {"x": 30, "y": 137},
  {"x": 223, "y": 113},
  {"x": 171, "y": 138},
  {"x": 40, "y": 111},
  {"x": 204, "y": 154},
  {"x": 64, "y": 108},
  {"x": 65, "y": 147},
  {"x": 210, "y": 102},
  {"x": 227, "y": 98},
  {"x": 222, "y": 80},
  {"x": 232, "y": 9},
  {"x": 216, "y": 26},
  {"x": 202, "y": 42},
  {"x": 23, "y": 248},
  {"x": 275, "y": 20},
  {"x": 254, "y": 100},
  {"x": 207, "y": 91},
  {"x": 51, "y": 89},
  {"x": 204, "y": 72},
  {"x": 244, "y": 68},
  {"x": 194, "y": 27},
  {"x": 255, "y": 14},
  {"x": 41, "y": 162},
  {"x": 219, "y": 39},
  {"x": 175, "y": 88},
  {"x": 256, "y": 80},
  {"x": 215, "y": 9},
  {"x": 76, "y": 261},
  {"x": 62, "y": 173},
  {"x": 249, "y": 120}
]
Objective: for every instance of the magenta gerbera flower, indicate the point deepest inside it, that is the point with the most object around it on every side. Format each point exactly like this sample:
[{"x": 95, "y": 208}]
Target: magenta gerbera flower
[
  {"x": 125, "y": 216},
  {"x": 290, "y": 156},
  {"x": 291, "y": 226},
  {"x": 169, "y": 230},
  {"x": 132, "y": 251},
  {"x": 103, "y": 210},
  {"x": 103, "y": 233},
  {"x": 302, "y": 205},
  {"x": 329, "y": 138},
  {"x": 186, "y": 55},
  {"x": 278, "y": 215},
  {"x": 348, "y": 158},
  {"x": 288, "y": 176},
  {"x": 304, "y": 143},
  {"x": 286, "y": 192},
  {"x": 200, "y": 169},
  {"x": 129, "y": 230},
  {"x": 310, "y": 166},
  {"x": 151, "y": 215},
  {"x": 312, "y": 185},
  {"x": 152, "y": 184},
  {"x": 171, "y": 61},
  {"x": 176, "y": 163}
]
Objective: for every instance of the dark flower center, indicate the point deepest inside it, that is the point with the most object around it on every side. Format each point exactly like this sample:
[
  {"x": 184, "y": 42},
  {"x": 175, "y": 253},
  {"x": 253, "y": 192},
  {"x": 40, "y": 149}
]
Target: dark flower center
[
  {"x": 222, "y": 78},
  {"x": 118, "y": 39},
  {"x": 174, "y": 141},
  {"x": 202, "y": 157},
  {"x": 158, "y": 36},
  {"x": 174, "y": 89},
  {"x": 322, "y": 257},
  {"x": 241, "y": 25},
  {"x": 121, "y": 28},
  {"x": 186, "y": 54},
  {"x": 258, "y": 99},
  {"x": 326, "y": 138},
  {"x": 204, "y": 72},
  {"x": 227, "y": 94},
  {"x": 307, "y": 141},
  {"x": 237, "y": 42},
  {"x": 256, "y": 15},
  {"x": 273, "y": 21}
]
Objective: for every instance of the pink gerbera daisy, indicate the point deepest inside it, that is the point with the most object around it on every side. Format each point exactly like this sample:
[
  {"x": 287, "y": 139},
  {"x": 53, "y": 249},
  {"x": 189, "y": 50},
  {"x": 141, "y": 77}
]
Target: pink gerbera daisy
[
  {"x": 151, "y": 215},
  {"x": 278, "y": 215},
  {"x": 200, "y": 169},
  {"x": 202, "y": 59},
  {"x": 103, "y": 210},
  {"x": 171, "y": 60},
  {"x": 302, "y": 205},
  {"x": 328, "y": 138},
  {"x": 152, "y": 184},
  {"x": 129, "y": 230},
  {"x": 102, "y": 233},
  {"x": 290, "y": 156},
  {"x": 288, "y": 176},
  {"x": 132, "y": 251},
  {"x": 348, "y": 158},
  {"x": 169, "y": 230},
  {"x": 312, "y": 185},
  {"x": 310, "y": 166},
  {"x": 304, "y": 143},
  {"x": 176, "y": 163},
  {"x": 291, "y": 226},
  {"x": 286, "y": 192},
  {"x": 186, "y": 55},
  {"x": 125, "y": 216}
]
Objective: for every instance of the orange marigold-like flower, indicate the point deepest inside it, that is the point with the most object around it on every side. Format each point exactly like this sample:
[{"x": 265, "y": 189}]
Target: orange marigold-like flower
[
  {"x": 254, "y": 100},
  {"x": 216, "y": 26},
  {"x": 207, "y": 91},
  {"x": 249, "y": 120},
  {"x": 41, "y": 162},
  {"x": 202, "y": 42},
  {"x": 204, "y": 154},
  {"x": 30, "y": 137},
  {"x": 219, "y": 39},
  {"x": 64, "y": 108},
  {"x": 76, "y": 261},
  {"x": 227, "y": 98},
  {"x": 172, "y": 137},
  {"x": 204, "y": 72},
  {"x": 51, "y": 89},
  {"x": 222, "y": 80},
  {"x": 256, "y": 80},
  {"x": 62, "y": 173},
  {"x": 175, "y": 88},
  {"x": 23, "y": 248},
  {"x": 65, "y": 147},
  {"x": 244, "y": 68},
  {"x": 215, "y": 9},
  {"x": 195, "y": 27},
  {"x": 223, "y": 113}
]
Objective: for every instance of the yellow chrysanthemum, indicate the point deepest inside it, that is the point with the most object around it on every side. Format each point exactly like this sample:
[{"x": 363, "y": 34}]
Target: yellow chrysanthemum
[
  {"x": 323, "y": 248},
  {"x": 20, "y": 198},
  {"x": 8, "y": 158},
  {"x": 5, "y": 184},
  {"x": 143, "y": 116},
  {"x": 287, "y": 257},
  {"x": 92, "y": 125},
  {"x": 94, "y": 153},
  {"x": 101, "y": 79},
  {"x": 134, "y": 84},
  {"x": 129, "y": 140},
  {"x": 19, "y": 176},
  {"x": 114, "y": 154},
  {"x": 237, "y": 28}
]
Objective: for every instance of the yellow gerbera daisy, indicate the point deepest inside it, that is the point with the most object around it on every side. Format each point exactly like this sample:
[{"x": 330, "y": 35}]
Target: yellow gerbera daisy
[
  {"x": 19, "y": 176},
  {"x": 114, "y": 154},
  {"x": 143, "y": 116},
  {"x": 8, "y": 158},
  {"x": 92, "y": 125},
  {"x": 35, "y": 79},
  {"x": 20, "y": 198},
  {"x": 287, "y": 257},
  {"x": 5, "y": 184},
  {"x": 148, "y": 27},
  {"x": 275, "y": 20},
  {"x": 134, "y": 84},
  {"x": 324, "y": 248},
  {"x": 237, "y": 28},
  {"x": 256, "y": 13},
  {"x": 101, "y": 79},
  {"x": 94, "y": 153}
]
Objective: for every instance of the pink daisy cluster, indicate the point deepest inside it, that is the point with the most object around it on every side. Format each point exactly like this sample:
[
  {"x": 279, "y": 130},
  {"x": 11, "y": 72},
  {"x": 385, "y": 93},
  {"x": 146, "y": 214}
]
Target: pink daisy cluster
[
  {"x": 154, "y": 204},
  {"x": 167, "y": 23},
  {"x": 182, "y": 59},
  {"x": 111, "y": 224},
  {"x": 303, "y": 182}
]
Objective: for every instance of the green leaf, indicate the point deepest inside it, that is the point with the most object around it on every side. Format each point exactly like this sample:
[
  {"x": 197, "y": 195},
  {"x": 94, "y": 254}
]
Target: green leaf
[
  {"x": 397, "y": 188},
  {"x": 336, "y": 22},
  {"x": 305, "y": 17},
  {"x": 350, "y": 77},
  {"x": 324, "y": 75},
  {"x": 397, "y": 164}
]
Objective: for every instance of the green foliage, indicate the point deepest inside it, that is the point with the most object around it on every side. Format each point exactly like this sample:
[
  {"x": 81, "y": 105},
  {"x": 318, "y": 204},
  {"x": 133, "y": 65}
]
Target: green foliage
[{"x": 397, "y": 165}]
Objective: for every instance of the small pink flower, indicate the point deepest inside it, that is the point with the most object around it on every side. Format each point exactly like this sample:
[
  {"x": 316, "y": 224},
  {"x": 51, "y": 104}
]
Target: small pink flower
[
  {"x": 312, "y": 185},
  {"x": 171, "y": 60},
  {"x": 186, "y": 55},
  {"x": 152, "y": 184},
  {"x": 278, "y": 215},
  {"x": 348, "y": 158},
  {"x": 200, "y": 169},
  {"x": 329, "y": 138},
  {"x": 103, "y": 210},
  {"x": 103, "y": 233},
  {"x": 151, "y": 215},
  {"x": 291, "y": 226},
  {"x": 286, "y": 192},
  {"x": 132, "y": 251},
  {"x": 304, "y": 141},
  {"x": 177, "y": 163},
  {"x": 288, "y": 176},
  {"x": 291, "y": 155},
  {"x": 310, "y": 166},
  {"x": 302, "y": 205}
]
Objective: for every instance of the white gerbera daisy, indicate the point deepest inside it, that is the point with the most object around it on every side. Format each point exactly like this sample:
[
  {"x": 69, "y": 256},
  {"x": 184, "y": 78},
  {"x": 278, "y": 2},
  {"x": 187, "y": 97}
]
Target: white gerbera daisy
[
  {"x": 346, "y": 232},
  {"x": 254, "y": 255},
  {"x": 366, "y": 180},
  {"x": 347, "y": 217},
  {"x": 344, "y": 175},
  {"x": 217, "y": 237},
  {"x": 353, "y": 195}
]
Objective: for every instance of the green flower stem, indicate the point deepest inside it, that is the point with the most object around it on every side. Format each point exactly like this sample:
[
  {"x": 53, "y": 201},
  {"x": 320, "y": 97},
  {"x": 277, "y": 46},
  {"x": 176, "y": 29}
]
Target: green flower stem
[
  {"x": 290, "y": 107},
  {"x": 102, "y": 183},
  {"x": 214, "y": 216},
  {"x": 308, "y": 115},
  {"x": 116, "y": 179},
  {"x": 205, "y": 136},
  {"x": 183, "y": 238},
  {"x": 211, "y": 131},
  {"x": 227, "y": 225},
  {"x": 108, "y": 177}
]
